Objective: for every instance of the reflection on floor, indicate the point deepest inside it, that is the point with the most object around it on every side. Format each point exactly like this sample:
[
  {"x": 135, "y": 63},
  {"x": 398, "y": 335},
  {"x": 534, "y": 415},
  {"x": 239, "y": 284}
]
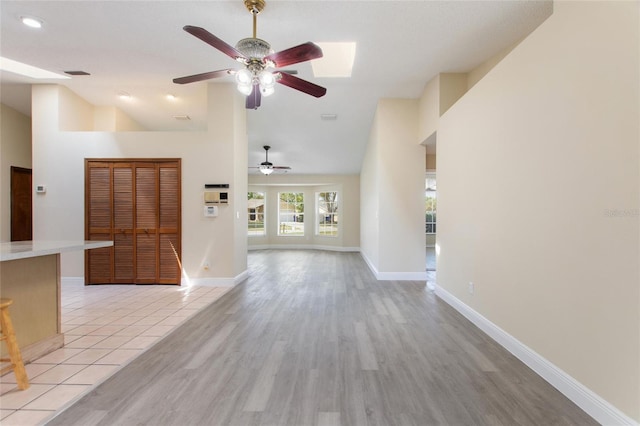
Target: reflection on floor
[{"x": 105, "y": 327}]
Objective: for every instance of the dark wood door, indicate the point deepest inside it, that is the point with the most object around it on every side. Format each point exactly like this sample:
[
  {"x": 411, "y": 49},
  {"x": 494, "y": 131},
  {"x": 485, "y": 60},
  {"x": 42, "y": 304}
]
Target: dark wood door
[
  {"x": 140, "y": 200},
  {"x": 21, "y": 204}
]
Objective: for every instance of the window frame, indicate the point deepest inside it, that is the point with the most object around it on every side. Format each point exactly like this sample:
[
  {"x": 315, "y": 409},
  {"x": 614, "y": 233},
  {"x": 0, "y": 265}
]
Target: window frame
[
  {"x": 264, "y": 214},
  {"x": 430, "y": 224},
  {"x": 295, "y": 214},
  {"x": 334, "y": 215}
]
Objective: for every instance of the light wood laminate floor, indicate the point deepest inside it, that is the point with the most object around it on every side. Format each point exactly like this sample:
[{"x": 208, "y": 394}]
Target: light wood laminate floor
[{"x": 311, "y": 338}]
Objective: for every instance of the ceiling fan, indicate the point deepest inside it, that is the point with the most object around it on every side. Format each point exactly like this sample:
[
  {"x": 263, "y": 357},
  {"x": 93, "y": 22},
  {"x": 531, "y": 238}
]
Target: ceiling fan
[
  {"x": 257, "y": 79},
  {"x": 266, "y": 167}
]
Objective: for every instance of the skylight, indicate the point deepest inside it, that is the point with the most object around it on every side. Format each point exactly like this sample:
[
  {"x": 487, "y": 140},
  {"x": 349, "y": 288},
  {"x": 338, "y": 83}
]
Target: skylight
[
  {"x": 337, "y": 59},
  {"x": 28, "y": 70}
]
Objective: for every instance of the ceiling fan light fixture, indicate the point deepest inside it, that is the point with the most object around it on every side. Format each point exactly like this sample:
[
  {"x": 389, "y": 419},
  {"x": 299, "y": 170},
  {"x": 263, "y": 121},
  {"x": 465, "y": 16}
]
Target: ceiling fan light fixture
[
  {"x": 266, "y": 169},
  {"x": 244, "y": 76}
]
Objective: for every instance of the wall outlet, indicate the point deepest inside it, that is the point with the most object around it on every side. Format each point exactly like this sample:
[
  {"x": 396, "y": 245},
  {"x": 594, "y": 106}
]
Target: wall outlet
[
  {"x": 206, "y": 266},
  {"x": 471, "y": 288}
]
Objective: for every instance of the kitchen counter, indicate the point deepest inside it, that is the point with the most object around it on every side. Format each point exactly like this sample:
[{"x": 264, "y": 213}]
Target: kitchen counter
[{"x": 30, "y": 275}]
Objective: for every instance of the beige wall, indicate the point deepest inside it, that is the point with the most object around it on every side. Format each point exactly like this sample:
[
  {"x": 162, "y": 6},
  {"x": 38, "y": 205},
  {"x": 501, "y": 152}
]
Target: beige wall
[
  {"x": 15, "y": 150},
  {"x": 538, "y": 197},
  {"x": 348, "y": 188},
  {"x": 207, "y": 157},
  {"x": 393, "y": 179}
]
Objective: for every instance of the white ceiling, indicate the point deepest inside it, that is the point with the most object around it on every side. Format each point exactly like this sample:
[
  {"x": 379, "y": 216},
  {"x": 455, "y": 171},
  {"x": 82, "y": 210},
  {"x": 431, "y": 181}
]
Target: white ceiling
[{"x": 139, "y": 47}]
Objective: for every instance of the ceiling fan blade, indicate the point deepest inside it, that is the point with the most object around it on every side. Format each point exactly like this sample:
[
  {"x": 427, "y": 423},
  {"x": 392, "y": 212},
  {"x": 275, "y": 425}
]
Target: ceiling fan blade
[
  {"x": 282, "y": 167},
  {"x": 302, "y": 85},
  {"x": 203, "y": 76},
  {"x": 294, "y": 55},
  {"x": 253, "y": 100},
  {"x": 214, "y": 41}
]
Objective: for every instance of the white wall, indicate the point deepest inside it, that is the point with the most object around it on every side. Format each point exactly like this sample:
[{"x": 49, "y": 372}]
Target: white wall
[
  {"x": 348, "y": 188},
  {"x": 538, "y": 197},
  {"x": 15, "y": 150},
  {"x": 392, "y": 190},
  {"x": 207, "y": 157}
]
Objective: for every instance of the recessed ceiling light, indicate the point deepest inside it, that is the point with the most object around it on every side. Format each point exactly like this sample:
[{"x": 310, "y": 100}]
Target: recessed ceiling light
[
  {"x": 171, "y": 97},
  {"x": 337, "y": 60},
  {"x": 124, "y": 95},
  {"x": 31, "y": 21},
  {"x": 28, "y": 70}
]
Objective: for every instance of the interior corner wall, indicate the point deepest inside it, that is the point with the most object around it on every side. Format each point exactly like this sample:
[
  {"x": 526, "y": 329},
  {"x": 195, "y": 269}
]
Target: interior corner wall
[
  {"x": 429, "y": 109},
  {"x": 240, "y": 186},
  {"x": 207, "y": 157},
  {"x": 538, "y": 197},
  {"x": 392, "y": 190},
  {"x": 370, "y": 198},
  {"x": 15, "y": 150}
]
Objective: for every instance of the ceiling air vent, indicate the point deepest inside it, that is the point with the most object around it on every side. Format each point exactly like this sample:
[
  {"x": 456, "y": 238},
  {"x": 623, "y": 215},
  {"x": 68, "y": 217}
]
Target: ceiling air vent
[
  {"x": 182, "y": 117},
  {"x": 77, "y": 73},
  {"x": 328, "y": 117}
]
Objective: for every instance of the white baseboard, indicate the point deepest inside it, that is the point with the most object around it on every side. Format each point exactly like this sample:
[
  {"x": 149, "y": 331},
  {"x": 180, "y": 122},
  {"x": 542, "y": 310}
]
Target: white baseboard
[
  {"x": 67, "y": 281},
  {"x": 302, "y": 247},
  {"x": 594, "y": 405},
  {"x": 394, "y": 276}
]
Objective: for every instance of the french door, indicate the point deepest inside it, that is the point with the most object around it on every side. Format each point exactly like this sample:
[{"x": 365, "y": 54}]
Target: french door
[{"x": 136, "y": 204}]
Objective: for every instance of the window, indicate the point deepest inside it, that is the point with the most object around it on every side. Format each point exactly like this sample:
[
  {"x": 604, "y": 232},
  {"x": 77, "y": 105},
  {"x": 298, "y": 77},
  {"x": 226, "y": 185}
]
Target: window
[
  {"x": 327, "y": 224},
  {"x": 255, "y": 210},
  {"x": 291, "y": 213},
  {"x": 430, "y": 204}
]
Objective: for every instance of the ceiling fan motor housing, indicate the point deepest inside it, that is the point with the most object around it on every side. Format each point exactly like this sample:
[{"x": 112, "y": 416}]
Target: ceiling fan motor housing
[{"x": 254, "y": 48}]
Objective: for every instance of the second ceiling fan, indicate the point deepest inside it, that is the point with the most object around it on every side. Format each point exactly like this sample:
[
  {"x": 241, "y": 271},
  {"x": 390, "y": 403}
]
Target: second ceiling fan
[
  {"x": 257, "y": 78},
  {"x": 267, "y": 167}
]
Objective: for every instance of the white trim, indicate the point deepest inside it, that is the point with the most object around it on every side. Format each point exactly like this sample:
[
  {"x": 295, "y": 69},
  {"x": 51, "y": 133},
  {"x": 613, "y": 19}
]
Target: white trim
[
  {"x": 594, "y": 405},
  {"x": 218, "y": 282},
  {"x": 302, "y": 247},
  {"x": 72, "y": 281},
  {"x": 394, "y": 276}
]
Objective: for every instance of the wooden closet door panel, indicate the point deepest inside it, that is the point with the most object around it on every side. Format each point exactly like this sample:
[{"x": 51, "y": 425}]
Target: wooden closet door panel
[
  {"x": 100, "y": 198},
  {"x": 123, "y": 218},
  {"x": 169, "y": 260},
  {"x": 98, "y": 262},
  {"x": 169, "y": 215},
  {"x": 146, "y": 258},
  {"x": 146, "y": 213},
  {"x": 146, "y": 197}
]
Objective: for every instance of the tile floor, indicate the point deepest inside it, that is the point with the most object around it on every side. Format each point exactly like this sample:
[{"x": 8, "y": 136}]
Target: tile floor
[{"x": 105, "y": 327}]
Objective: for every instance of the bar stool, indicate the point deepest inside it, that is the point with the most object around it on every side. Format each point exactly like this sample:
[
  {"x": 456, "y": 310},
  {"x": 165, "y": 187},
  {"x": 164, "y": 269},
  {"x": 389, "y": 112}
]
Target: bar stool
[{"x": 9, "y": 336}]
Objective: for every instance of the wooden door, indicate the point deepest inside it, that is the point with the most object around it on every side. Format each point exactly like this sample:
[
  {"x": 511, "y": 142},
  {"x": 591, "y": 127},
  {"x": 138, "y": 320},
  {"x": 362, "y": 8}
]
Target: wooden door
[
  {"x": 142, "y": 202},
  {"x": 21, "y": 204}
]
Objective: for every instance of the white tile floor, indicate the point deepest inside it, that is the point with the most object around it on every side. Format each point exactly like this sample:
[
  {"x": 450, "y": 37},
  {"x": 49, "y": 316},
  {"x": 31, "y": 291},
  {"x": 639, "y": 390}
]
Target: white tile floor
[{"x": 105, "y": 327}]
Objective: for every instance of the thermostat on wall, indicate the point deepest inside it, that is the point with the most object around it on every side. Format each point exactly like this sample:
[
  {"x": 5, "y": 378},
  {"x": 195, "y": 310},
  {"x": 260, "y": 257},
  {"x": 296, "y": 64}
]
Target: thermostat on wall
[
  {"x": 41, "y": 189},
  {"x": 211, "y": 211}
]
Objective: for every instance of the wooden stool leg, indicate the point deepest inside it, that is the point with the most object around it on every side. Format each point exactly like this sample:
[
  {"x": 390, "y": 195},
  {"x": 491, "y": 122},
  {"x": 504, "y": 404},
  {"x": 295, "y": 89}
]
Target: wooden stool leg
[{"x": 13, "y": 349}]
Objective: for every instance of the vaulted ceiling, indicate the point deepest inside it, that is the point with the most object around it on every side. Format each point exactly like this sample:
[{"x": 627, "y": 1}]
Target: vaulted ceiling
[{"x": 138, "y": 47}]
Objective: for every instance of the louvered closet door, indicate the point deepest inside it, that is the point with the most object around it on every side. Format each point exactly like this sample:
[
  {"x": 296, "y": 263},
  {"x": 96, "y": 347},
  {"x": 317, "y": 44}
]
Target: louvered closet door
[
  {"x": 137, "y": 205},
  {"x": 169, "y": 269},
  {"x": 146, "y": 223},
  {"x": 98, "y": 262},
  {"x": 123, "y": 208}
]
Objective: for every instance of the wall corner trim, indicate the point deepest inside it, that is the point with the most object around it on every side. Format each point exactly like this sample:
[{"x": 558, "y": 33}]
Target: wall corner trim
[
  {"x": 394, "y": 276},
  {"x": 594, "y": 405}
]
